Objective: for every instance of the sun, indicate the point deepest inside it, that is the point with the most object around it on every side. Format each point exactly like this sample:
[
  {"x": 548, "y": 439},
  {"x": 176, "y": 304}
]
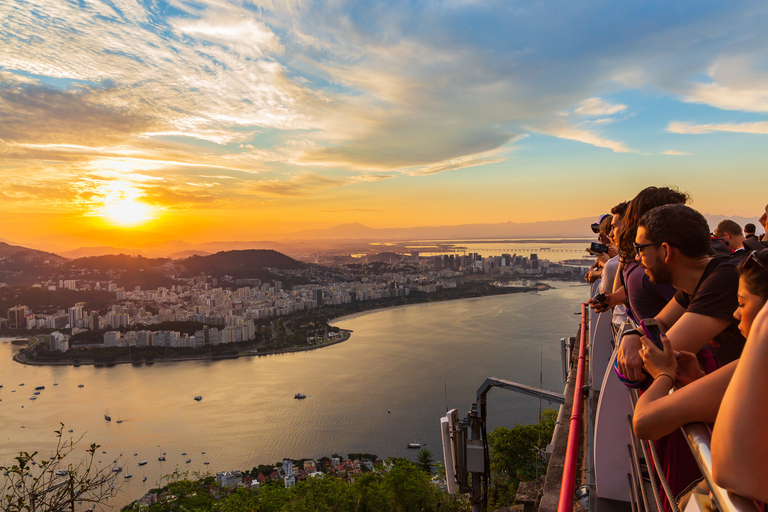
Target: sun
[{"x": 127, "y": 213}]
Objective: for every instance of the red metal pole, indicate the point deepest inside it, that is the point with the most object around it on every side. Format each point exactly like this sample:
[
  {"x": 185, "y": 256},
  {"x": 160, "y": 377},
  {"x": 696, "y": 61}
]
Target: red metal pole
[{"x": 571, "y": 454}]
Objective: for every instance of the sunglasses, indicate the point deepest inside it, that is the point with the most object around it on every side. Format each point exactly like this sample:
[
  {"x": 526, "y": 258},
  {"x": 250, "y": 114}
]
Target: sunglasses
[
  {"x": 639, "y": 247},
  {"x": 752, "y": 260}
]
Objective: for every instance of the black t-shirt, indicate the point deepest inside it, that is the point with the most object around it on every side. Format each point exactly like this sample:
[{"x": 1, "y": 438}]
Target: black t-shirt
[{"x": 716, "y": 296}]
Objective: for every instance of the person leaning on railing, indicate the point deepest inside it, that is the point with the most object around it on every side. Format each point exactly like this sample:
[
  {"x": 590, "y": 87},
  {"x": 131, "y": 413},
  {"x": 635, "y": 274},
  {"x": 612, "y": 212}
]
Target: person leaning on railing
[
  {"x": 740, "y": 437},
  {"x": 698, "y": 396},
  {"x": 672, "y": 243}
]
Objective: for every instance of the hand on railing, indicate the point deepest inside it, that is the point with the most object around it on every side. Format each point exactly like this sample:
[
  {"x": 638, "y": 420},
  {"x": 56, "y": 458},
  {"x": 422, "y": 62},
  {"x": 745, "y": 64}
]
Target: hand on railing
[{"x": 628, "y": 357}]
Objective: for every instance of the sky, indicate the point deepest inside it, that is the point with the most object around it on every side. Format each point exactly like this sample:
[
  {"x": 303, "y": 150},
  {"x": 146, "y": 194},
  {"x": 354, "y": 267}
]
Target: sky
[{"x": 244, "y": 120}]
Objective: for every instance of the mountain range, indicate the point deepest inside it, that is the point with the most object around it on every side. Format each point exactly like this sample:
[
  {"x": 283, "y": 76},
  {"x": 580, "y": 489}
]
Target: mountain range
[{"x": 344, "y": 238}]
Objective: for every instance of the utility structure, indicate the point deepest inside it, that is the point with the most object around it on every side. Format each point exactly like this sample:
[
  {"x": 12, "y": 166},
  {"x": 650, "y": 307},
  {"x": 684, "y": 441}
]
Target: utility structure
[{"x": 465, "y": 442}]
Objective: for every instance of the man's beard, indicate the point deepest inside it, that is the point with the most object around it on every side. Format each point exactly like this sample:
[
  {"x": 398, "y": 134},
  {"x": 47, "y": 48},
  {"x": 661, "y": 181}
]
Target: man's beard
[{"x": 659, "y": 275}]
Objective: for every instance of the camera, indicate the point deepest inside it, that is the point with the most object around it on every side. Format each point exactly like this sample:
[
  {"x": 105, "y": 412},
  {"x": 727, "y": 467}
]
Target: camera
[
  {"x": 598, "y": 248},
  {"x": 601, "y": 299}
]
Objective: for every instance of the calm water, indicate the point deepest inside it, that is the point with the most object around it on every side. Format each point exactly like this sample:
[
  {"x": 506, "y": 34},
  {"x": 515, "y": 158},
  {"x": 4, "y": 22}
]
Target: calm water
[{"x": 401, "y": 359}]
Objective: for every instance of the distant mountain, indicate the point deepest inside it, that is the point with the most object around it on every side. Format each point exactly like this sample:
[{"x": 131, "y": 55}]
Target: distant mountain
[
  {"x": 86, "y": 252},
  {"x": 7, "y": 249},
  {"x": 544, "y": 229},
  {"x": 350, "y": 238},
  {"x": 20, "y": 265}
]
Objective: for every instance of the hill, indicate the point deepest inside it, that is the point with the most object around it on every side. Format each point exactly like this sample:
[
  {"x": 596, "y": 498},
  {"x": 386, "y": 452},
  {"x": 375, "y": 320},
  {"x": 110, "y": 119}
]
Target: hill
[{"x": 249, "y": 264}]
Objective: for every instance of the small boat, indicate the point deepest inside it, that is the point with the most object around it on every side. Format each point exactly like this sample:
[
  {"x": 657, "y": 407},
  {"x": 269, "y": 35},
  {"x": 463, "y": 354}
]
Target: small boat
[
  {"x": 55, "y": 383},
  {"x": 414, "y": 445},
  {"x": 70, "y": 430},
  {"x": 21, "y": 384},
  {"x": 198, "y": 398},
  {"x": 183, "y": 453},
  {"x": 36, "y": 393},
  {"x": 145, "y": 479},
  {"x": 39, "y": 388},
  {"x": 81, "y": 385},
  {"x": 206, "y": 463},
  {"x": 203, "y": 453},
  {"x": 32, "y": 398},
  {"x": 117, "y": 469},
  {"x": 127, "y": 475},
  {"x": 189, "y": 460},
  {"x": 161, "y": 459},
  {"x": 299, "y": 395},
  {"x": 143, "y": 463},
  {"x": 119, "y": 421},
  {"x": 107, "y": 416},
  {"x": 62, "y": 472}
]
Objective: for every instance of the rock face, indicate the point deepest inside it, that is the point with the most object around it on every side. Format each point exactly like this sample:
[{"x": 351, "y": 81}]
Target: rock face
[{"x": 529, "y": 494}]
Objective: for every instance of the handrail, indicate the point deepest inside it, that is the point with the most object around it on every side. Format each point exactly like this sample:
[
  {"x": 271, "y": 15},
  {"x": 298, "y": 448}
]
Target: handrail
[
  {"x": 699, "y": 437},
  {"x": 568, "y": 483}
]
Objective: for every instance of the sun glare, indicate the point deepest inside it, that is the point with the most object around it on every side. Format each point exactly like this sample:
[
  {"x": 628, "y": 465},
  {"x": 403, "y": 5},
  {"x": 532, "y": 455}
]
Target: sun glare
[
  {"x": 127, "y": 212},
  {"x": 121, "y": 206}
]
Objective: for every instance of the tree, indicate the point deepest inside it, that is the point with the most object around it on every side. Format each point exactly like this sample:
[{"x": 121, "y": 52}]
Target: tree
[
  {"x": 426, "y": 460},
  {"x": 515, "y": 455},
  {"x": 59, "y": 483}
]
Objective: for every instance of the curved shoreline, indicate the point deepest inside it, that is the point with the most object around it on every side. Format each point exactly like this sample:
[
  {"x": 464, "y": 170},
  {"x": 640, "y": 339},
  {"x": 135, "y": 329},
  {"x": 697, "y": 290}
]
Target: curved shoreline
[
  {"x": 254, "y": 353},
  {"x": 245, "y": 353}
]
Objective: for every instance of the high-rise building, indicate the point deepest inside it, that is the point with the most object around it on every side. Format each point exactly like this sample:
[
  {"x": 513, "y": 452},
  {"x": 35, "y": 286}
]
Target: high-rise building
[{"x": 17, "y": 317}]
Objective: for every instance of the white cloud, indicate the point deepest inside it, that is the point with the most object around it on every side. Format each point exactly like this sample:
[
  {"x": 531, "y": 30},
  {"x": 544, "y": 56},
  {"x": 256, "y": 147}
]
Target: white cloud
[
  {"x": 246, "y": 36},
  {"x": 758, "y": 128},
  {"x": 598, "y": 107},
  {"x": 737, "y": 84},
  {"x": 562, "y": 130},
  {"x": 672, "y": 152}
]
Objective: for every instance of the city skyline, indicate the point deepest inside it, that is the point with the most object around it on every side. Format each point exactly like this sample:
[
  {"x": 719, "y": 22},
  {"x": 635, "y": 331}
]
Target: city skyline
[{"x": 246, "y": 120}]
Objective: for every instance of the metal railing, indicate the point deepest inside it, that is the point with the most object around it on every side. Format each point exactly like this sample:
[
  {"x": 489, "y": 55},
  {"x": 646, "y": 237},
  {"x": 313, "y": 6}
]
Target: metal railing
[
  {"x": 642, "y": 453},
  {"x": 568, "y": 484},
  {"x": 699, "y": 438}
]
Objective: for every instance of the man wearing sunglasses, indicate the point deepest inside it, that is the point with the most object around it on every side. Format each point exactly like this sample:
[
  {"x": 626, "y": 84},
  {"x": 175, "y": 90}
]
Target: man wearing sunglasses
[{"x": 672, "y": 244}]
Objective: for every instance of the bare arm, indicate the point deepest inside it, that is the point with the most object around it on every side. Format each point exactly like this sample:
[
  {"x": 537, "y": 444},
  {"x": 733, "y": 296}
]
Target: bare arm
[
  {"x": 693, "y": 331},
  {"x": 658, "y": 413},
  {"x": 630, "y": 362},
  {"x": 686, "y": 331},
  {"x": 739, "y": 440}
]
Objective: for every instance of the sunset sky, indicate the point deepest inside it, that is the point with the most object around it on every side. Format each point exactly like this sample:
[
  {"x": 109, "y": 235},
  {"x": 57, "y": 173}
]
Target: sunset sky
[{"x": 214, "y": 119}]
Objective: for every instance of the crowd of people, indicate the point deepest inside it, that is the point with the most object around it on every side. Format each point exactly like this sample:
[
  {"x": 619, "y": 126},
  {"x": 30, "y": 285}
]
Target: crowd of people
[{"x": 660, "y": 265}]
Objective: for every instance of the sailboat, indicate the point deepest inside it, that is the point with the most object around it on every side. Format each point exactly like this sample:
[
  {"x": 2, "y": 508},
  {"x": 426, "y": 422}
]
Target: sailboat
[{"x": 107, "y": 416}]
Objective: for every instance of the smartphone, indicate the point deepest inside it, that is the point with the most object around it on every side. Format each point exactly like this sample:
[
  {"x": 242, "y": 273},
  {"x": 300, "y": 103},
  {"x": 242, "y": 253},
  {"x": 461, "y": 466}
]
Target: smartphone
[
  {"x": 601, "y": 299},
  {"x": 598, "y": 248},
  {"x": 652, "y": 331}
]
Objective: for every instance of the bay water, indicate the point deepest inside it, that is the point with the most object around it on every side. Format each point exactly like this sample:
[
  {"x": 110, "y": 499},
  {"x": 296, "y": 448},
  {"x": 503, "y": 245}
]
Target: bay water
[{"x": 385, "y": 387}]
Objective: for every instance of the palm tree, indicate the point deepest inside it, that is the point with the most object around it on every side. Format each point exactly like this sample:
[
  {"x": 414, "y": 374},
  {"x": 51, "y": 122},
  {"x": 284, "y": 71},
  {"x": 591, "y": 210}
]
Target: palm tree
[{"x": 425, "y": 460}]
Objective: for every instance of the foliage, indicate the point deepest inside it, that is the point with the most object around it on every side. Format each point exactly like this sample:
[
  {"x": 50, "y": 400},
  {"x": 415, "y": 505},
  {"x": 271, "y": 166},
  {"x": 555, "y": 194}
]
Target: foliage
[
  {"x": 425, "y": 460},
  {"x": 57, "y": 483},
  {"x": 403, "y": 487},
  {"x": 515, "y": 455}
]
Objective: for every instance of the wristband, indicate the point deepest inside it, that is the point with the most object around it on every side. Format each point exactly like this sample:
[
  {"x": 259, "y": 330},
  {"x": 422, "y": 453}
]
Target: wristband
[
  {"x": 632, "y": 331},
  {"x": 665, "y": 375}
]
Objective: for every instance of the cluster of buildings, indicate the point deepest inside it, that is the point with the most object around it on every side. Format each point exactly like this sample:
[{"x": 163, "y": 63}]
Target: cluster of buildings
[
  {"x": 289, "y": 475},
  {"x": 237, "y": 304}
]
